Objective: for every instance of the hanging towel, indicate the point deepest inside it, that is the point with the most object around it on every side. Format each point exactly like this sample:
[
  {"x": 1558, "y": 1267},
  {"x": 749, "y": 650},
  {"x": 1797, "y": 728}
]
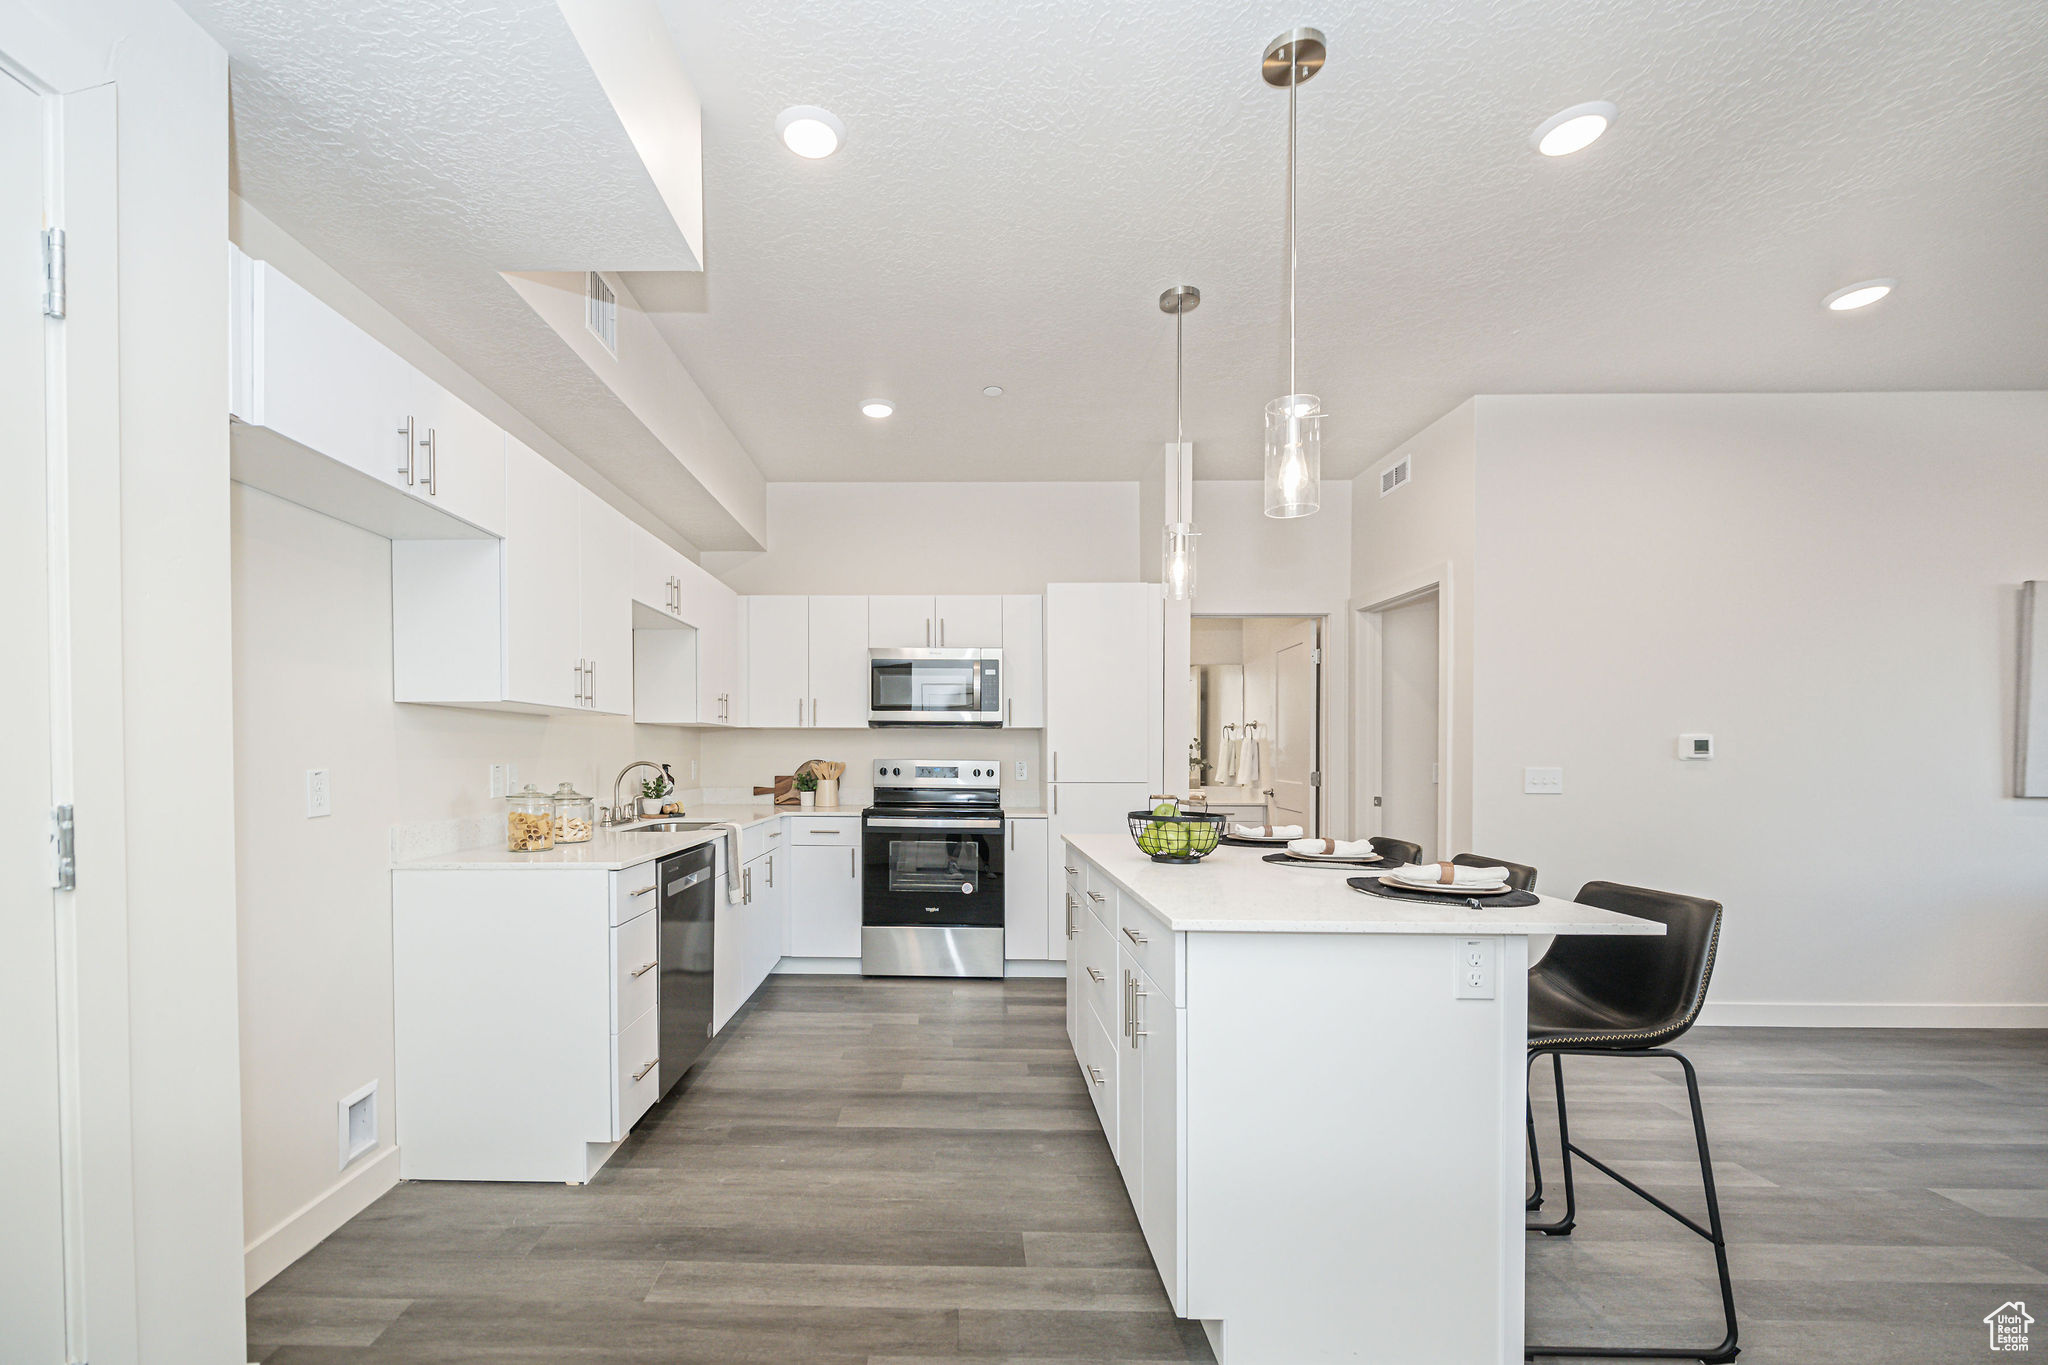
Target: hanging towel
[
  {"x": 1251, "y": 762},
  {"x": 1230, "y": 753}
]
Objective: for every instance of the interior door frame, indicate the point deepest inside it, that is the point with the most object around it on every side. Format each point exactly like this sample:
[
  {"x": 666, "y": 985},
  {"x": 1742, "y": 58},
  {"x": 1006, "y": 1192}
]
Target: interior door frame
[
  {"x": 1368, "y": 711},
  {"x": 1319, "y": 759},
  {"x": 83, "y": 455}
]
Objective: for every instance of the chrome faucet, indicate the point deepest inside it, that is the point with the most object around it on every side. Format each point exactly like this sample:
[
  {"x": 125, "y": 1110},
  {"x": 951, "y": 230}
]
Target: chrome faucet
[{"x": 612, "y": 814}]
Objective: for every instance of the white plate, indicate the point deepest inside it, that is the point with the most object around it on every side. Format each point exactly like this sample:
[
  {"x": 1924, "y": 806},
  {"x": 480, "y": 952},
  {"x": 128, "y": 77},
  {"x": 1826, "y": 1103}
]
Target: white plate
[
  {"x": 1334, "y": 857},
  {"x": 1260, "y": 838},
  {"x": 1482, "y": 889}
]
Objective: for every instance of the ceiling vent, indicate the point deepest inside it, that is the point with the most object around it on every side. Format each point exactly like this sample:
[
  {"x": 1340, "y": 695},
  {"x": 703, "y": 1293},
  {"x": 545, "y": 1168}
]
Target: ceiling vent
[
  {"x": 601, "y": 312},
  {"x": 1396, "y": 475}
]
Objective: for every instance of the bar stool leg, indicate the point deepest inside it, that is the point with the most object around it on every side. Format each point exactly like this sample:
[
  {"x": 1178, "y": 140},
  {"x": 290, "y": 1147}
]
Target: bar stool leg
[{"x": 1562, "y": 1227}]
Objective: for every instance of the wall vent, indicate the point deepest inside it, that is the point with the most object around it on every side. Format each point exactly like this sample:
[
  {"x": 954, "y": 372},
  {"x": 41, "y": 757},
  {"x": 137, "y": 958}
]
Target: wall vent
[
  {"x": 1395, "y": 475},
  {"x": 601, "y": 312},
  {"x": 358, "y": 1123}
]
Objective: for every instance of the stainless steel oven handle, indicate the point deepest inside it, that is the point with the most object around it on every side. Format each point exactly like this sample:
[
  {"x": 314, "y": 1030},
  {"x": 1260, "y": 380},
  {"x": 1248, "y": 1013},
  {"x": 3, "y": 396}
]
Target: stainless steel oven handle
[{"x": 883, "y": 822}]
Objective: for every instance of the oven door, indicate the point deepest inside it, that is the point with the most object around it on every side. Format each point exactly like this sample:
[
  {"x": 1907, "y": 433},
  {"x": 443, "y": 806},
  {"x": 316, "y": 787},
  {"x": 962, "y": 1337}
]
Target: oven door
[
  {"x": 944, "y": 870},
  {"x": 934, "y": 687}
]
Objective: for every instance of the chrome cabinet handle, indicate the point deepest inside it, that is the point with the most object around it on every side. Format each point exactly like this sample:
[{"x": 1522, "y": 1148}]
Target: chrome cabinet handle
[
  {"x": 1096, "y": 896},
  {"x": 641, "y": 1074},
  {"x": 644, "y": 970},
  {"x": 641, "y": 892},
  {"x": 927, "y": 632},
  {"x": 771, "y": 872},
  {"x": 1097, "y": 975},
  {"x": 1095, "y": 1074},
  {"x": 1055, "y": 765},
  {"x": 942, "y": 632},
  {"x": 852, "y": 866},
  {"x": 1135, "y": 937},
  {"x": 1006, "y": 710},
  {"x": 799, "y": 710},
  {"x": 1138, "y": 992},
  {"x": 591, "y": 698},
  {"x": 406, "y": 468},
  {"x": 1013, "y": 836},
  {"x": 433, "y": 462},
  {"x": 1072, "y": 871},
  {"x": 824, "y": 831},
  {"x": 746, "y": 886},
  {"x": 814, "y": 710}
]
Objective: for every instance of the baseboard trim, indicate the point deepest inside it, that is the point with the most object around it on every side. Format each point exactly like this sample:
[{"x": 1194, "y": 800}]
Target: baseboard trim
[
  {"x": 269, "y": 1254},
  {"x": 1033, "y": 967},
  {"x": 1751, "y": 1014},
  {"x": 818, "y": 966}
]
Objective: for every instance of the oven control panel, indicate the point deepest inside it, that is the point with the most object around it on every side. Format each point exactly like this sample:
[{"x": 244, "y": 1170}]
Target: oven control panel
[{"x": 929, "y": 772}]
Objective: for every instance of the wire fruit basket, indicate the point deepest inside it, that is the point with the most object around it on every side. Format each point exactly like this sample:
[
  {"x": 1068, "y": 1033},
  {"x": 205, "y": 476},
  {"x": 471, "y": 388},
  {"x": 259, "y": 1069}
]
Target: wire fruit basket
[{"x": 1170, "y": 835}]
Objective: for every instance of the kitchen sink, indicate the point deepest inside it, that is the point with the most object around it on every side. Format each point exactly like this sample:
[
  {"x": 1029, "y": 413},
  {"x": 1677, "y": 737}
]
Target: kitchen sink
[{"x": 663, "y": 826}]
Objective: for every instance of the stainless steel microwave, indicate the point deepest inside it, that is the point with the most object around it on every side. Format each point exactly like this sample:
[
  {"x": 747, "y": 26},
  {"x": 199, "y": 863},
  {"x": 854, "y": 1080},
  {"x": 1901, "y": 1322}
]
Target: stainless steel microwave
[{"x": 935, "y": 687}]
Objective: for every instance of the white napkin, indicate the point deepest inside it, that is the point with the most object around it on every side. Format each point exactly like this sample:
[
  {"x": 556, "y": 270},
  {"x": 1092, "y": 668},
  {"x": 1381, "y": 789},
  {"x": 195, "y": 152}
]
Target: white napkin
[
  {"x": 1332, "y": 848},
  {"x": 1432, "y": 874},
  {"x": 1266, "y": 831}
]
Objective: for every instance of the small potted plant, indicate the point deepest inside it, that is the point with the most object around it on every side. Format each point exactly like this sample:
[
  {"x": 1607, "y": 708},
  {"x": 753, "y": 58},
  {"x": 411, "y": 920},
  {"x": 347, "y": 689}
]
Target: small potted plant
[
  {"x": 652, "y": 792},
  {"x": 806, "y": 785}
]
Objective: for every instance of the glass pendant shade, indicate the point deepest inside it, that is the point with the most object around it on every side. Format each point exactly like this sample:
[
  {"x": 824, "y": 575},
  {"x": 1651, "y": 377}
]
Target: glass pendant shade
[
  {"x": 1294, "y": 455},
  {"x": 1177, "y": 570}
]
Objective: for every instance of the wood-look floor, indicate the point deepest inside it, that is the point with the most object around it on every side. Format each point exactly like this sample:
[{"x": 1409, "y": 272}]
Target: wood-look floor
[{"x": 885, "y": 1172}]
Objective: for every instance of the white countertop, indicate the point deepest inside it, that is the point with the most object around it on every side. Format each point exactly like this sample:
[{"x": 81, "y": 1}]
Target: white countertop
[
  {"x": 619, "y": 846},
  {"x": 1233, "y": 891}
]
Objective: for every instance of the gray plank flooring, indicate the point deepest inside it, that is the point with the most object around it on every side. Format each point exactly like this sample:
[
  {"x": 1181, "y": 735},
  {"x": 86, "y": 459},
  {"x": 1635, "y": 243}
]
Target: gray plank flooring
[{"x": 888, "y": 1172}]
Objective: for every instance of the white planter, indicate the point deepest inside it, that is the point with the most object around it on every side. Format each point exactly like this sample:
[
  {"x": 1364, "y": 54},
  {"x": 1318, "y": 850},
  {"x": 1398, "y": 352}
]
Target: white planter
[
  {"x": 807, "y": 798},
  {"x": 651, "y": 805}
]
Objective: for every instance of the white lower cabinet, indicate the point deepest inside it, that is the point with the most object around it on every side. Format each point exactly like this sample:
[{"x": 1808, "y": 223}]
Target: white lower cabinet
[
  {"x": 1027, "y": 937},
  {"x": 1080, "y": 808},
  {"x": 824, "y": 882}
]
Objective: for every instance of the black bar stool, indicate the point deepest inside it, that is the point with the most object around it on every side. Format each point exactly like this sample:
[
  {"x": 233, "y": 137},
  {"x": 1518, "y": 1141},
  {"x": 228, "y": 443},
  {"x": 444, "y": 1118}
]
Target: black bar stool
[
  {"x": 1396, "y": 850},
  {"x": 1605, "y": 996}
]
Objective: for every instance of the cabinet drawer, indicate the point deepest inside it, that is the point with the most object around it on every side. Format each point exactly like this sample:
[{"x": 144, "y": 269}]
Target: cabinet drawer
[
  {"x": 636, "y": 1071},
  {"x": 1161, "y": 952},
  {"x": 1098, "y": 1070},
  {"x": 633, "y": 895},
  {"x": 765, "y": 837},
  {"x": 1098, "y": 893},
  {"x": 1096, "y": 952},
  {"x": 635, "y": 975},
  {"x": 825, "y": 830}
]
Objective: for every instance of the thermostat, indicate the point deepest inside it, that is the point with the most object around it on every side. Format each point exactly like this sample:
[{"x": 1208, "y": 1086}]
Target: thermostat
[{"x": 1695, "y": 746}]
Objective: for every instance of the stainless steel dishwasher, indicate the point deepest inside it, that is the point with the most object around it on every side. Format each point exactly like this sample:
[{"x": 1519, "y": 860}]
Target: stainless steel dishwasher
[{"x": 689, "y": 911}]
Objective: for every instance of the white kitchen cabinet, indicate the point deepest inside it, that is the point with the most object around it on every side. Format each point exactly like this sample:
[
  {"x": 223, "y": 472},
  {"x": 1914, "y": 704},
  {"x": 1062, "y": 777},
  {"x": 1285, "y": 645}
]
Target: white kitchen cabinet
[
  {"x": 1152, "y": 1042},
  {"x": 654, "y": 571},
  {"x": 714, "y": 609},
  {"x": 839, "y": 662},
  {"x": 1027, "y": 935},
  {"x": 685, "y": 674},
  {"x": 778, "y": 661},
  {"x": 824, "y": 896},
  {"x": 1102, "y": 682},
  {"x": 606, "y": 614},
  {"x": 543, "y": 583},
  {"x": 1024, "y": 661},
  {"x": 765, "y": 882},
  {"x": 458, "y": 455},
  {"x": 969, "y": 622},
  {"x": 1080, "y": 808},
  {"x": 728, "y": 955},
  {"x": 902, "y": 623}
]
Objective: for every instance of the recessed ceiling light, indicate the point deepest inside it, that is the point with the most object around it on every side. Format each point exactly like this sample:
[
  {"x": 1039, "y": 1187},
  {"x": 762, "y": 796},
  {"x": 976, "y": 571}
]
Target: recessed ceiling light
[
  {"x": 1573, "y": 129},
  {"x": 992, "y": 391},
  {"x": 1858, "y": 295},
  {"x": 877, "y": 407},
  {"x": 810, "y": 131}
]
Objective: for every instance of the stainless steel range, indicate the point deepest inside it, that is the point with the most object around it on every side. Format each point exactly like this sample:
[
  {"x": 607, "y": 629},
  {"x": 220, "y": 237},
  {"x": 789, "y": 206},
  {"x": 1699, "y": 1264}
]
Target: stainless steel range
[{"x": 932, "y": 883}]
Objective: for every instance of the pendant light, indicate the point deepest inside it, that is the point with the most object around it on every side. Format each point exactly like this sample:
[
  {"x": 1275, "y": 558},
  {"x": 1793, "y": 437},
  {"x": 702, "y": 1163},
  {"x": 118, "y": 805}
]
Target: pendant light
[
  {"x": 1294, "y": 421},
  {"x": 1177, "y": 568}
]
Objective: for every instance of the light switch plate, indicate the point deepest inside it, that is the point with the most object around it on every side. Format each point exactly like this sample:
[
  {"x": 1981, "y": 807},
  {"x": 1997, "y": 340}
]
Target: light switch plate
[
  {"x": 1022, "y": 771},
  {"x": 1543, "y": 781},
  {"x": 319, "y": 793},
  {"x": 498, "y": 779},
  {"x": 1474, "y": 976}
]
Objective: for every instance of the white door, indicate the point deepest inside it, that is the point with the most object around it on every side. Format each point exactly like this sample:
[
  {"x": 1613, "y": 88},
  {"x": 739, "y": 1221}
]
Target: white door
[
  {"x": 31, "y": 1201},
  {"x": 605, "y": 611},
  {"x": 1408, "y": 723},
  {"x": 1102, "y": 681},
  {"x": 969, "y": 622},
  {"x": 1081, "y": 808},
  {"x": 1024, "y": 661},
  {"x": 1290, "y": 756},
  {"x": 326, "y": 383},
  {"x": 824, "y": 907},
  {"x": 778, "y": 662},
  {"x": 459, "y": 457},
  {"x": 543, "y": 581},
  {"x": 902, "y": 623},
  {"x": 1029, "y": 922},
  {"x": 839, "y": 662}
]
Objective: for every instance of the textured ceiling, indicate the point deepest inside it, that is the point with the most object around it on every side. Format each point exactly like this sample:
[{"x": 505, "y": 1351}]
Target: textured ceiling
[{"x": 1022, "y": 177}]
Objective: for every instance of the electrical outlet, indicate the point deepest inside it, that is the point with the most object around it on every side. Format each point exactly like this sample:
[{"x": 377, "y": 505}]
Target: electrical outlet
[
  {"x": 498, "y": 780},
  {"x": 319, "y": 797},
  {"x": 1022, "y": 770},
  {"x": 1473, "y": 979},
  {"x": 1543, "y": 781},
  {"x": 358, "y": 1123}
]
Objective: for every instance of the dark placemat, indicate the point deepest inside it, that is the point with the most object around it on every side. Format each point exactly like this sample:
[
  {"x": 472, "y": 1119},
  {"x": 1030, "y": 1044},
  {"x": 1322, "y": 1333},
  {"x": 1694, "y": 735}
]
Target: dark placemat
[
  {"x": 1372, "y": 886},
  {"x": 1236, "y": 842},
  {"x": 1353, "y": 863}
]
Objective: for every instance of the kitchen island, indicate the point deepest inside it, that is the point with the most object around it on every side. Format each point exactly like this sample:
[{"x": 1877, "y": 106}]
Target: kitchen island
[{"x": 1315, "y": 1096}]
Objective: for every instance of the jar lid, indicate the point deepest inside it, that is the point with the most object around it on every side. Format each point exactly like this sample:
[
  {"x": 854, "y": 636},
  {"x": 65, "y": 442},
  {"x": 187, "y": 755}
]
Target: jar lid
[
  {"x": 528, "y": 793},
  {"x": 568, "y": 792}
]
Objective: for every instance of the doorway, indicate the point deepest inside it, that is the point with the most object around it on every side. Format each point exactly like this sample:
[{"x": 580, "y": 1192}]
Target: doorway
[{"x": 1255, "y": 683}]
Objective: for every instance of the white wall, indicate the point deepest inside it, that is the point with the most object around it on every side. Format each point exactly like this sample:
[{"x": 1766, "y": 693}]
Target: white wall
[
  {"x": 1422, "y": 533},
  {"x": 739, "y": 760},
  {"x": 939, "y": 537},
  {"x": 312, "y": 688},
  {"x": 1827, "y": 584},
  {"x": 1216, "y": 640}
]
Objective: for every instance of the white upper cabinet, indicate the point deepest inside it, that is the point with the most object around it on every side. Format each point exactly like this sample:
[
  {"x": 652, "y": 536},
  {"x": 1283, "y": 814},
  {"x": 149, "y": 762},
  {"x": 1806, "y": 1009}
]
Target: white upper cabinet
[
  {"x": 839, "y": 662},
  {"x": 778, "y": 662},
  {"x": 654, "y": 571},
  {"x": 322, "y": 381},
  {"x": 1102, "y": 682},
  {"x": 1024, "y": 661},
  {"x": 458, "y": 455},
  {"x": 969, "y": 622},
  {"x": 903, "y": 622},
  {"x": 605, "y": 612},
  {"x": 714, "y": 609},
  {"x": 543, "y": 582}
]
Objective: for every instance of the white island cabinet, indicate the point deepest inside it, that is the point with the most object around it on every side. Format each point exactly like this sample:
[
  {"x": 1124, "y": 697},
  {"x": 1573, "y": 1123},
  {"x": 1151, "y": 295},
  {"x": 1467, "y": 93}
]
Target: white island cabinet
[{"x": 1318, "y": 1120}]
